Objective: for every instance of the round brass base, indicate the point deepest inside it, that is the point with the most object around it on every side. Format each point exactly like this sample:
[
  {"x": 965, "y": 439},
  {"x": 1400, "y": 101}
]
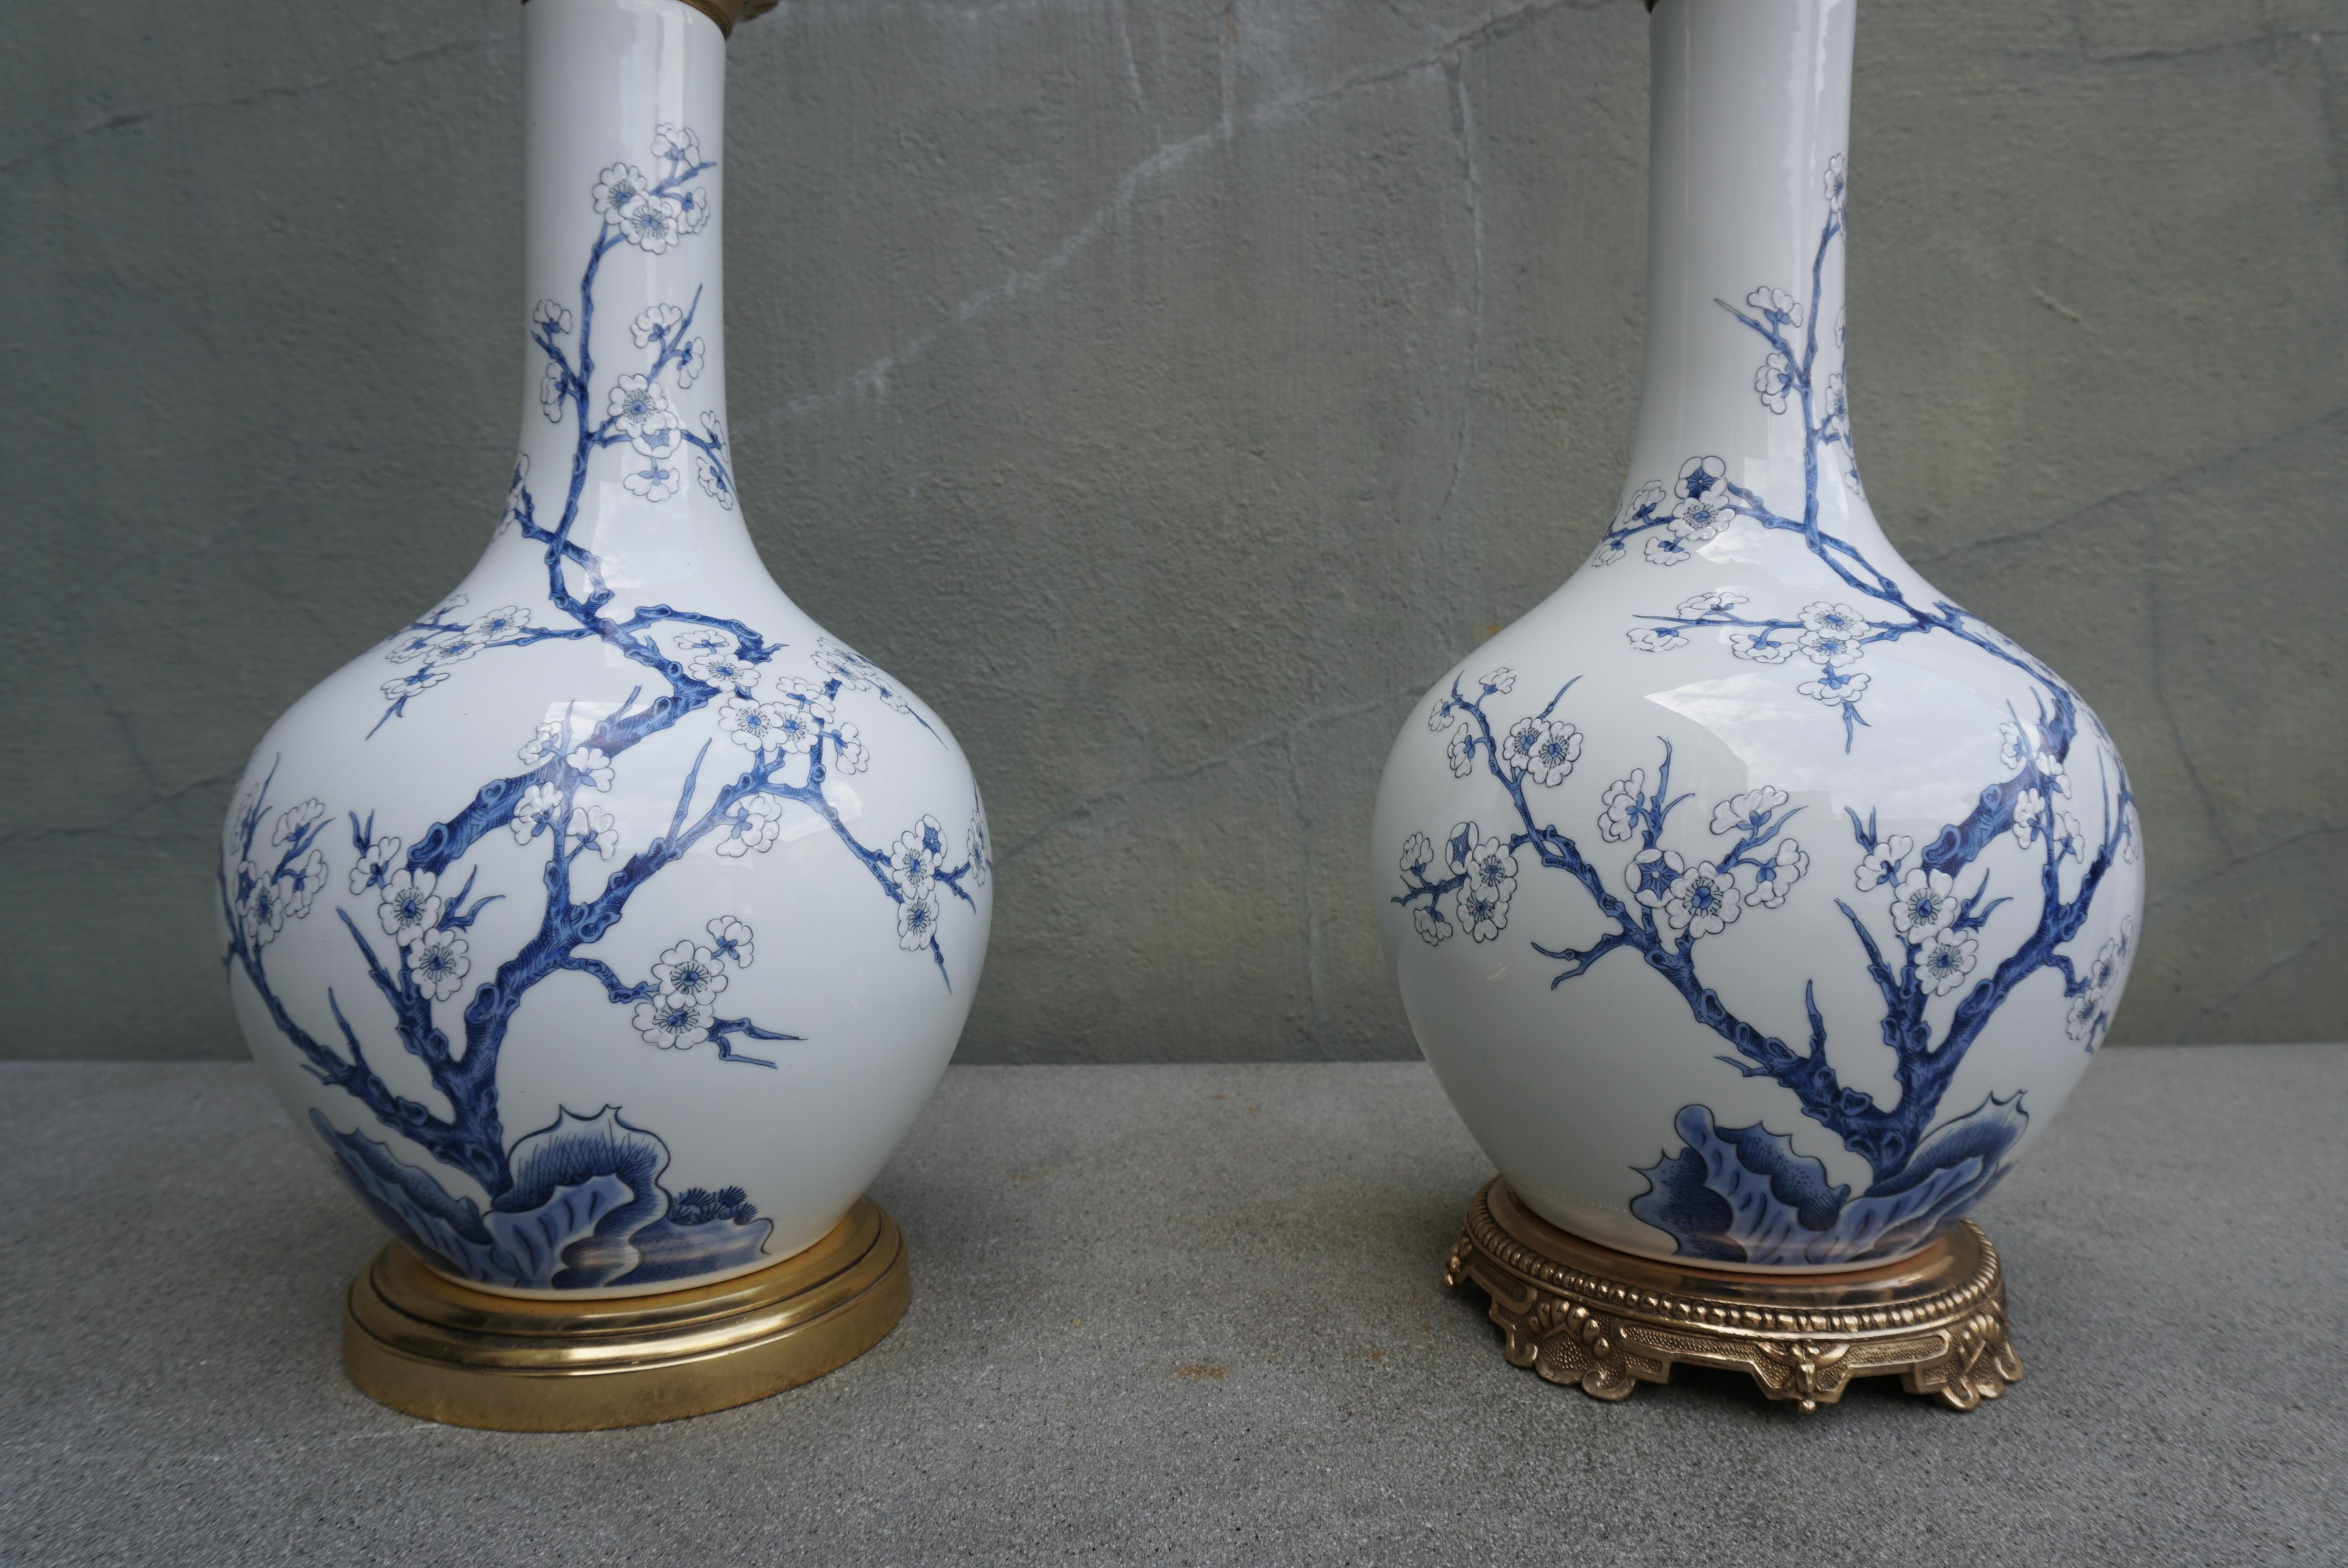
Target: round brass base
[
  {"x": 1604, "y": 1320},
  {"x": 424, "y": 1344}
]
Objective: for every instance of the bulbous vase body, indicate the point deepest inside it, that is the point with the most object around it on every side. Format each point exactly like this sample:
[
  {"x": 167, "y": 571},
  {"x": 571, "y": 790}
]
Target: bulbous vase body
[
  {"x": 605, "y": 926},
  {"x": 1755, "y": 905}
]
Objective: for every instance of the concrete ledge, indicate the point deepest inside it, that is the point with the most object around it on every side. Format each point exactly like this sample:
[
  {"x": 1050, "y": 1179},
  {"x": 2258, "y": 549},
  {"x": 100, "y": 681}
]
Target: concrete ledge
[{"x": 1188, "y": 1314}]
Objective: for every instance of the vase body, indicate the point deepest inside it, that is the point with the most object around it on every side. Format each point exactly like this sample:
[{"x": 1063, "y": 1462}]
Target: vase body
[
  {"x": 606, "y": 926},
  {"x": 1753, "y": 903}
]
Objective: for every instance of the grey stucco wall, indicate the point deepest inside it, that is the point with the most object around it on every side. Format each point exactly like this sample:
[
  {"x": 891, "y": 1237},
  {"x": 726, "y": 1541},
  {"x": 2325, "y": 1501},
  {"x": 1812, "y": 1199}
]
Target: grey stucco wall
[{"x": 1168, "y": 392}]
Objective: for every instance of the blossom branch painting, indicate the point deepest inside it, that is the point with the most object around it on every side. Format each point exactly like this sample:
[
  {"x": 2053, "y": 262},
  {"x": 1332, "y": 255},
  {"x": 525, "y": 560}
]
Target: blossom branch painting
[
  {"x": 578, "y": 1203},
  {"x": 1833, "y": 635},
  {"x": 1941, "y": 941}
]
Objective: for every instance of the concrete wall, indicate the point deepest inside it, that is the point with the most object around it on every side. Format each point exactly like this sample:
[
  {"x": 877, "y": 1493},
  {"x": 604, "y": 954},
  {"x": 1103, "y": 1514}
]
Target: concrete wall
[{"x": 1168, "y": 391}]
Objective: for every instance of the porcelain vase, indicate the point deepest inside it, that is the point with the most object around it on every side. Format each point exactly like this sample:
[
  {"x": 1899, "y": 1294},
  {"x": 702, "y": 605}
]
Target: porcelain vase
[
  {"x": 1755, "y": 904},
  {"x": 605, "y": 926}
]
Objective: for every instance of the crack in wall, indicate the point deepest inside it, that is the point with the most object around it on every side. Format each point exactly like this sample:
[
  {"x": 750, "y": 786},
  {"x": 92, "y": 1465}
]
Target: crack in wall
[
  {"x": 1308, "y": 875},
  {"x": 116, "y": 823},
  {"x": 2200, "y": 468},
  {"x": 1282, "y": 736},
  {"x": 1445, "y": 523},
  {"x": 2173, "y": 891},
  {"x": 124, "y": 119},
  {"x": 872, "y": 377},
  {"x": 1123, "y": 28},
  {"x": 2157, "y": 658},
  {"x": 2193, "y": 1027}
]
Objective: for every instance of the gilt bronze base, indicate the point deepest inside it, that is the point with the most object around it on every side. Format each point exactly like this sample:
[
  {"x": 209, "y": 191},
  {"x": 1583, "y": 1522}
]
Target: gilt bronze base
[
  {"x": 1605, "y": 1321},
  {"x": 422, "y": 1343}
]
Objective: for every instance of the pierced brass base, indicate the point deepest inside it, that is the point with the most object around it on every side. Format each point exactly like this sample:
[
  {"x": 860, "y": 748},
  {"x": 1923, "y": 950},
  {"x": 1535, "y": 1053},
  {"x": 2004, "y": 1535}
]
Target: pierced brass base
[
  {"x": 1581, "y": 1314},
  {"x": 424, "y": 1344}
]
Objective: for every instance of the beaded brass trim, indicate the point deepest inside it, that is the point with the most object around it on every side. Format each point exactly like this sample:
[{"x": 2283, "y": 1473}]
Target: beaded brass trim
[
  {"x": 1605, "y": 1321},
  {"x": 730, "y": 14}
]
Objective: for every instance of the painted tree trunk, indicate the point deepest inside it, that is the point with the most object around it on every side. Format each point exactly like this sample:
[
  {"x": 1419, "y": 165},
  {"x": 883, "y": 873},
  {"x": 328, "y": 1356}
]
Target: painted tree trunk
[
  {"x": 608, "y": 923},
  {"x": 1755, "y": 904}
]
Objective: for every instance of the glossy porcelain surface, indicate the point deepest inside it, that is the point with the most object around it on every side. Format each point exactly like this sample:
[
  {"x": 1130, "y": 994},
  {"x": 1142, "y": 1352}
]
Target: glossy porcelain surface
[
  {"x": 1754, "y": 903},
  {"x": 606, "y": 926}
]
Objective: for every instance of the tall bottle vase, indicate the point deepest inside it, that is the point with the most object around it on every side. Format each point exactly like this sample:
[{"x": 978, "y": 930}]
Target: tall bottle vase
[
  {"x": 605, "y": 926},
  {"x": 1755, "y": 905}
]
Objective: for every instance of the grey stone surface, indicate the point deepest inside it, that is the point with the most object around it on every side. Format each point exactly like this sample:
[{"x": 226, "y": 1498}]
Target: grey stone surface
[
  {"x": 1188, "y": 1314},
  {"x": 1169, "y": 392}
]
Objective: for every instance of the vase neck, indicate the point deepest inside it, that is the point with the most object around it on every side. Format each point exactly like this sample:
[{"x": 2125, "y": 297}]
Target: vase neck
[
  {"x": 1751, "y": 112},
  {"x": 624, "y": 453}
]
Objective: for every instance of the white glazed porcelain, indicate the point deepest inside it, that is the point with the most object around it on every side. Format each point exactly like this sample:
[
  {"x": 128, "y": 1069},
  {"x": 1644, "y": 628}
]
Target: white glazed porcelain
[
  {"x": 1753, "y": 903},
  {"x": 606, "y": 926}
]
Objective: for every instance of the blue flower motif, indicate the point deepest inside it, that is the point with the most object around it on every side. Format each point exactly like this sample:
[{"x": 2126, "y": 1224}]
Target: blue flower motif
[
  {"x": 917, "y": 920},
  {"x": 411, "y": 905},
  {"x": 621, "y": 187},
  {"x": 1775, "y": 306},
  {"x": 375, "y": 864},
  {"x": 1742, "y": 1193},
  {"x": 1652, "y": 874},
  {"x": 674, "y": 1024},
  {"x": 438, "y": 964},
  {"x": 1703, "y": 901},
  {"x": 1543, "y": 750},
  {"x": 732, "y": 940},
  {"x": 689, "y": 972},
  {"x": 1700, "y": 477},
  {"x": 1835, "y": 686},
  {"x": 1767, "y": 645},
  {"x": 1774, "y": 877},
  {"x": 1946, "y": 960},
  {"x": 1926, "y": 902},
  {"x": 575, "y": 1204}
]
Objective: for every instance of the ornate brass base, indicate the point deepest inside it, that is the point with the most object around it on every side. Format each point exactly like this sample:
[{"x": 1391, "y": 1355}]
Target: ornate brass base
[
  {"x": 1605, "y": 1320},
  {"x": 424, "y": 1344}
]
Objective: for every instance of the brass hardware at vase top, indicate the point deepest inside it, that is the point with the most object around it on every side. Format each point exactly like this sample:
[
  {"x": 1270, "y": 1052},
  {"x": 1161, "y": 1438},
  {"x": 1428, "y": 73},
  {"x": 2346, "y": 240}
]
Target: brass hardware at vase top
[
  {"x": 422, "y": 1343},
  {"x": 729, "y": 14},
  {"x": 1605, "y": 1321}
]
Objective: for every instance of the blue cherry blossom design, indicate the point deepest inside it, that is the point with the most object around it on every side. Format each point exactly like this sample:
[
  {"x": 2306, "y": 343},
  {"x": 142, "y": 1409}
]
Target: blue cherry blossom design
[
  {"x": 1704, "y": 502},
  {"x": 1926, "y": 929},
  {"x": 415, "y": 911}
]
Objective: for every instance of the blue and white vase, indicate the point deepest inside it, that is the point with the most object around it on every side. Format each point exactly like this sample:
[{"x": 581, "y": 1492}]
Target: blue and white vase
[
  {"x": 605, "y": 926},
  {"x": 1755, "y": 905}
]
